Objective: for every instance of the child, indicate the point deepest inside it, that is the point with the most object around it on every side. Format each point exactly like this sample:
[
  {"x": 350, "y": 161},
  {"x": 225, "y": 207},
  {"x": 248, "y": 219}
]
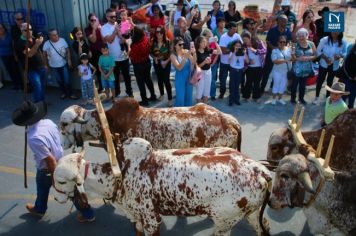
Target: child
[
  {"x": 106, "y": 67},
  {"x": 86, "y": 72},
  {"x": 334, "y": 105},
  {"x": 126, "y": 26},
  {"x": 238, "y": 58}
]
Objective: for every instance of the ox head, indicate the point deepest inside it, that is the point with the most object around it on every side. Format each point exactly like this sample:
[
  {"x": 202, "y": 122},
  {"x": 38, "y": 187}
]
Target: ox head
[
  {"x": 68, "y": 178},
  {"x": 75, "y": 128},
  {"x": 280, "y": 144},
  {"x": 291, "y": 181}
]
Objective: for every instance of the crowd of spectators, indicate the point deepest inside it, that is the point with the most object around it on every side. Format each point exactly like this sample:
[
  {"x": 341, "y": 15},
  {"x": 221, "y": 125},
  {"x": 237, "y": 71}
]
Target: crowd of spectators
[{"x": 211, "y": 44}]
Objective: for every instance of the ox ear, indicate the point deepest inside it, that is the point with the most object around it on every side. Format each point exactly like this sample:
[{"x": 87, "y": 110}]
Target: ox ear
[
  {"x": 80, "y": 120},
  {"x": 305, "y": 180}
]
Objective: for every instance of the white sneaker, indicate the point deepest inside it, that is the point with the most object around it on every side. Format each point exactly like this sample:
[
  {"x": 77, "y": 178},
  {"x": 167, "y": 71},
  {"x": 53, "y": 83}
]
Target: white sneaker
[
  {"x": 281, "y": 101},
  {"x": 273, "y": 102},
  {"x": 316, "y": 101}
]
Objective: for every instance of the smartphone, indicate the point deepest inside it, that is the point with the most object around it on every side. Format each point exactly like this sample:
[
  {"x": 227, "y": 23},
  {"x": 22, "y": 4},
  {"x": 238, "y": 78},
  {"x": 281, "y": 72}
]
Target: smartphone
[
  {"x": 192, "y": 45},
  {"x": 39, "y": 35}
]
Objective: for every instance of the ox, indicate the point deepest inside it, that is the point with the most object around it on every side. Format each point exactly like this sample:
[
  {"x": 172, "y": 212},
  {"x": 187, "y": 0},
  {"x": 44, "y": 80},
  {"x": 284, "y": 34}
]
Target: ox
[
  {"x": 220, "y": 183},
  {"x": 281, "y": 142},
  {"x": 334, "y": 210},
  {"x": 197, "y": 126}
]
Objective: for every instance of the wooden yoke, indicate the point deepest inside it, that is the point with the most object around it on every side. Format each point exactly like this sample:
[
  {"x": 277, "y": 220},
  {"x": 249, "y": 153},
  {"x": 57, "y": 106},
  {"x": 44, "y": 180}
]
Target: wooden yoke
[
  {"x": 313, "y": 156},
  {"x": 107, "y": 135}
]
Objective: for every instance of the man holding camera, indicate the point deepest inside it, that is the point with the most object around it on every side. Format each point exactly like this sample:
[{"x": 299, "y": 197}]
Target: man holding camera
[
  {"x": 36, "y": 69},
  {"x": 57, "y": 59}
]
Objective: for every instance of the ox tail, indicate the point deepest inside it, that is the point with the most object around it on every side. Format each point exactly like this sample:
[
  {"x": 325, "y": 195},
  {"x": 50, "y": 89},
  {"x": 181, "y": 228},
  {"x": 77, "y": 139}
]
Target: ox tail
[
  {"x": 265, "y": 231},
  {"x": 239, "y": 138}
]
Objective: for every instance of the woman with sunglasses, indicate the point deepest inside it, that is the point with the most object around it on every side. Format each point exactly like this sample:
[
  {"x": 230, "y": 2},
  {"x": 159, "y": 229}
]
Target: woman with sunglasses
[
  {"x": 281, "y": 58},
  {"x": 183, "y": 60},
  {"x": 92, "y": 32},
  {"x": 160, "y": 52}
]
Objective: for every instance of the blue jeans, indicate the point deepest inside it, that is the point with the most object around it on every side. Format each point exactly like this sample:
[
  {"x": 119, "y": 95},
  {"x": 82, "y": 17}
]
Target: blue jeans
[
  {"x": 214, "y": 77},
  {"x": 37, "y": 79},
  {"x": 62, "y": 77},
  {"x": 224, "y": 72},
  {"x": 234, "y": 85}
]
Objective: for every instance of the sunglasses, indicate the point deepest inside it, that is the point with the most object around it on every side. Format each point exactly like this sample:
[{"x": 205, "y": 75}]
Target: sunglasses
[
  {"x": 112, "y": 17},
  {"x": 159, "y": 32},
  {"x": 19, "y": 19},
  {"x": 282, "y": 42},
  {"x": 180, "y": 44},
  {"x": 92, "y": 20},
  {"x": 26, "y": 30}
]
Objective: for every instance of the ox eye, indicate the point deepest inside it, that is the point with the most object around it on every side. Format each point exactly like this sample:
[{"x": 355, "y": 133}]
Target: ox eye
[
  {"x": 284, "y": 176},
  {"x": 79, "y": 184},
  {"x": 274, "y": 148},
  {"x": 62, "y": 182},
  {"x": 64, "y": 124}
]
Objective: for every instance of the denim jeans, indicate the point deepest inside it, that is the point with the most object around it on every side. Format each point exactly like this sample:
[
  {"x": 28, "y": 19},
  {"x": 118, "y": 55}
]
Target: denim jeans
[
  {"x": 214, "y": 77},
  {"x": 224, "y": 72},
  {"x": 62, "y": 77},
  {"x": 234, "y": 85},
  {"x": 44, "y": 183},
  {"x": 37, "y": 79}
]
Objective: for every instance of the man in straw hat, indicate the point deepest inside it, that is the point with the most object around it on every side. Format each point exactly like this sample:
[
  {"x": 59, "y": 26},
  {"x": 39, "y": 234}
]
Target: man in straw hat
[
  {"x": 44, "y": 140},
  {"x": 334, "y": 105}
]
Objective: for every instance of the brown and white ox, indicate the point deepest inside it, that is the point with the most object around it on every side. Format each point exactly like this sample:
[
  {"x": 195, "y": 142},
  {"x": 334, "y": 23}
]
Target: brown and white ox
[
  {"x": 334, "y": 210},
  {"x": 281, "y": 142},
  {"x": 219, "y": 183},
  {"x": 181, "y": 127}
]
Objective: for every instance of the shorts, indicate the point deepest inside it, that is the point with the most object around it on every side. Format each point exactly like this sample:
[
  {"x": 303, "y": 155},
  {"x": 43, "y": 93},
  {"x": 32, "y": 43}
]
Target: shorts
[{"x": 107, "y": 83}]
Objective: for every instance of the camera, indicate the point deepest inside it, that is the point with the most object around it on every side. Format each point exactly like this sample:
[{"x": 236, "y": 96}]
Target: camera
[{"x": 240, "y": 52}]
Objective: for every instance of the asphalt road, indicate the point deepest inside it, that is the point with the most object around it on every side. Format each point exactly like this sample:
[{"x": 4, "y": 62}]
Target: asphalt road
[{"x": 258, "y": 121}]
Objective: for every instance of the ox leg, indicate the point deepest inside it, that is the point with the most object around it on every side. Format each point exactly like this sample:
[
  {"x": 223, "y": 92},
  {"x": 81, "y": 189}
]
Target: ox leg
[
  {"x": 253, "y": 219},
  {"x": 223, "y": 226}
]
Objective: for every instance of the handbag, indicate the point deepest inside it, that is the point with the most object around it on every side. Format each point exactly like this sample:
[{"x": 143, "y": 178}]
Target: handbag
[
  {"x": 196, "y": 75},
  {"x": 55, "y": 49}
]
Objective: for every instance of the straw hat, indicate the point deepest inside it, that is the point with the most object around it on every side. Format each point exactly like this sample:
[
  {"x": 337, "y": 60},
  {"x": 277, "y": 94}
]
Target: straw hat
[{"x": 338, "y": 88}]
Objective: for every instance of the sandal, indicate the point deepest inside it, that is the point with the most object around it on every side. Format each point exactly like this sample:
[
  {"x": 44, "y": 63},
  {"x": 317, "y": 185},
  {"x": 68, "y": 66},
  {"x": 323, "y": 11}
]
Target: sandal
[{"x": 73, "y": 97}]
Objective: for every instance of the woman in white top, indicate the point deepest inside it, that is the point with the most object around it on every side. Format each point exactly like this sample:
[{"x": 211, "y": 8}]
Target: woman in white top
[
  {"x": 238, "y": 59},
  {"x": 330, "y": 49},
  {"x": 254, "y": 69},
  {"x": 281, "y": 58}
]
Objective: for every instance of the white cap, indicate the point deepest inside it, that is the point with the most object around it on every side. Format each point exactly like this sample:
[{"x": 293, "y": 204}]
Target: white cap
[{"x": 285, "y": 3}]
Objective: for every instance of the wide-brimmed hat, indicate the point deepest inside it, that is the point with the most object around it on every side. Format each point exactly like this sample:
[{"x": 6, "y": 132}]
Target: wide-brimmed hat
[
  {"x": 338, "y": 88},
  {"x": 321, "y": 12},
  {"x": 29, "y": 113},
  {"x": 180, "y": 2}
]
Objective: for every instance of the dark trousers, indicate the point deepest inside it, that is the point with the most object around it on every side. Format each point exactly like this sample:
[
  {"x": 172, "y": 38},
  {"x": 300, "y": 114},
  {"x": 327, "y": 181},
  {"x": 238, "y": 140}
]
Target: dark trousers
[
  {"x": 253, "y": 83},
  {"x": 15, "y": 75},
  {"x": 94, "y": 61},
  {"x": 234, "y": 84},
  {"x": 223, "y": 73},
  {"x": 143, "y": 76},
  {"x": 163, "y": 78},
  {"x": 124, "y": 67},
  {"x": 62, "y": 77},
  {"x": 350, "y": 87},
  {"x": 321, "y": 78},
  {"x": 302, "y": 82},
  {"x": 267, "y": 68}
]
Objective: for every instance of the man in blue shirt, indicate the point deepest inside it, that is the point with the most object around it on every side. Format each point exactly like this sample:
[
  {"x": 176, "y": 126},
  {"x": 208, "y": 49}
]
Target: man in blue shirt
[
  {"x": 272, "y": 42},
  {"x": 44, "y": 141}
]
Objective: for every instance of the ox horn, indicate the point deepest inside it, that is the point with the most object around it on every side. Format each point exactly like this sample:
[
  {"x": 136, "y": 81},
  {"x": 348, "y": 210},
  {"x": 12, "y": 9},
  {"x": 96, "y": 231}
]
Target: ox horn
[
  {"x": 294, "y": 118},
  {"x": 300, "y": 119},
  {"x": 304, "y": 178},
  {"x": 80, "y": 120},
  {"x": 328, "y": 153},
  {"x": 320, "y": 144}
]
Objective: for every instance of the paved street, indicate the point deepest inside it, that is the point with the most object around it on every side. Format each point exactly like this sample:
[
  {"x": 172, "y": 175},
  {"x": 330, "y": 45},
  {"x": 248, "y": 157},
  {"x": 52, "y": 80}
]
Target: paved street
[{"x": 258, "y": 121}]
